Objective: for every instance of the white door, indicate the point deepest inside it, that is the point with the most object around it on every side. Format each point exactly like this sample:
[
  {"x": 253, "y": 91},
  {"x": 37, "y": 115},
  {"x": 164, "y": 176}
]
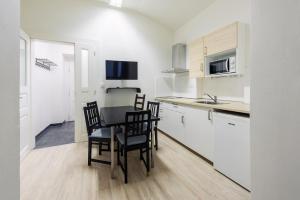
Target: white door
[
  {"x": 84, "y": 85},
  {"x": 26, "y": 139}
]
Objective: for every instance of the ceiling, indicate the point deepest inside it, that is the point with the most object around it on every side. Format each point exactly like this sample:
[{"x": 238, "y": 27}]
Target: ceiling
[{"x": 171, "y": 13}]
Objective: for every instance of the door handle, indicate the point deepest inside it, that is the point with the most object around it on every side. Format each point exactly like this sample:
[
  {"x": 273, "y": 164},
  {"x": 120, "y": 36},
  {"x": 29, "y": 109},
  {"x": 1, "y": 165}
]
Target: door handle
[
  {"x": 231, "y": 124},
  {"x": 201, "y": 67},
  {"x": 208, "y": 115}
]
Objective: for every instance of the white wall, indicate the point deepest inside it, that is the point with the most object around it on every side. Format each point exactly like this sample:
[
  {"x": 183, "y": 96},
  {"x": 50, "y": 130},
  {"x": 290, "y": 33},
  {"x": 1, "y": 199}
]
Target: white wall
[
  {"x": 9, "y": 101},
  {"x": 275, "y": 85},
  {"x": 217, "y": 15},
  {"x": 118, "y": 34},
  {"x": 48, "y": 87}
]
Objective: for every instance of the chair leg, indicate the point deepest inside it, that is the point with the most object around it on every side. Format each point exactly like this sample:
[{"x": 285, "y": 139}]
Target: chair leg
[
  {"x": 141, "y": 153},
  {"x": 156, "y": 140},
  {"x": 100, "y": 148},
  {"x": 118, "y": 153},
  {"x": 148, "y": 158},
  {"x": 89, "y": 152},
  {"x": 125, "y": 166}
]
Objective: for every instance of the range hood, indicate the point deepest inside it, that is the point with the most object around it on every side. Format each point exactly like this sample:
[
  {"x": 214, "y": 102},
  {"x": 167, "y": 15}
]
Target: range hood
[{"x": 178, "y": 59}]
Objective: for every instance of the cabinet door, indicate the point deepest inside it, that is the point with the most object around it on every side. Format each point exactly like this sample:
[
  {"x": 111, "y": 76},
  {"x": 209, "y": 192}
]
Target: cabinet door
[
  {"x": 199, "y": 131},
  {"x": 172, "y": 121},
  {"x": 163, "y": 124},
  {"x": 221, "y": 40},
  {"x": 196, "y": 59},
  {"x": 232, "y": 147}
]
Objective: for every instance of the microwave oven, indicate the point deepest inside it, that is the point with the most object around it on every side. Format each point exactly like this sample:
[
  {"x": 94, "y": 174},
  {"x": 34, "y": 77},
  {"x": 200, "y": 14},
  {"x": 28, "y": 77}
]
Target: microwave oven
[{"x": 223, "y": 66}]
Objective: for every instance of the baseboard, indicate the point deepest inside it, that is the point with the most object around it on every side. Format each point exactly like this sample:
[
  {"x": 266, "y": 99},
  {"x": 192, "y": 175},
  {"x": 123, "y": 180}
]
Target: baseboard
[
  {"x": 81, "y": 138},
  {"x": 24, "y": 152}
]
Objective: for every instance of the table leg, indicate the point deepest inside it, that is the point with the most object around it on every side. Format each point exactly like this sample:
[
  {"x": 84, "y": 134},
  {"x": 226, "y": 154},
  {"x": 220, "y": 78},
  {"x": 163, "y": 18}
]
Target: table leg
[
  {"x": 112, "y": 151},
  {"x": 152, "y": 147}
]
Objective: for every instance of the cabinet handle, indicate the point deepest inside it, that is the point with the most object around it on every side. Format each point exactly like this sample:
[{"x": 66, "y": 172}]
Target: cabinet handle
[
  {"x": 209, "y": 118},
  {"x": 205, "y": 51},
  {"x": 182, "y": 119},
  {"x": 231, "y": 124}
]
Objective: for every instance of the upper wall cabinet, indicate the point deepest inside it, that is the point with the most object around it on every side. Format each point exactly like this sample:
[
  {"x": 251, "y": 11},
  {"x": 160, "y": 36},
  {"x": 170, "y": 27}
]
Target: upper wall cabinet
[
  {"x": 231, "y": 40},
  {"x": 221, "y": 40},
  {"x": 196, "y": 58}
]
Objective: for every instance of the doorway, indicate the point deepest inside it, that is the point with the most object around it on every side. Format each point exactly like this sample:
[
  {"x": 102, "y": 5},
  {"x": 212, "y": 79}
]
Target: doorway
[{"x": 52, "y": 80}]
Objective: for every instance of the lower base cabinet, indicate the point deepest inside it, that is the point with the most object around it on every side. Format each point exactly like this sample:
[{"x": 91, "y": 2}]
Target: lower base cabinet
[
  {"x": 199, "y": 133},
  {"x": 232, "y": 147},
  {"x": 192, "y": 127},
  {"x": 224, "y": 139},
  {"x": 172, "y": 121}
]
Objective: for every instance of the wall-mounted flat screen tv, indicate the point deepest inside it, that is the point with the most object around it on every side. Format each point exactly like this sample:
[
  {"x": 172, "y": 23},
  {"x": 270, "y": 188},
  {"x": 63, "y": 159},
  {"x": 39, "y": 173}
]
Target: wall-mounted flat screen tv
[{"x": 121, "y": 70}]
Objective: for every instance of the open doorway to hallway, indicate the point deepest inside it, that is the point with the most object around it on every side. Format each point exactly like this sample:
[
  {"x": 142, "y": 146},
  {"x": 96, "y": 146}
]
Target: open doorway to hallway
[{"x": 52, "y": 84}]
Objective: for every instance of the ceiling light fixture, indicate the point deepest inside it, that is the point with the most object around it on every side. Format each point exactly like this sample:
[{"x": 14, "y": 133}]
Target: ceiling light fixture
[{"x": 116, "y": 3}]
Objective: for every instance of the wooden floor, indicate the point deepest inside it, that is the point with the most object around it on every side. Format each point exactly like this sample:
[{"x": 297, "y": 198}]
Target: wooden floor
[{"x": 61, "y": 173}]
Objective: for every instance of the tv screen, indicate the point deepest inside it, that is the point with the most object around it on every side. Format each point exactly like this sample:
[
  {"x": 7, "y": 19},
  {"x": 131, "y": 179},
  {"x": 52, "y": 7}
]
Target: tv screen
[{"x": 121, "y": 70}]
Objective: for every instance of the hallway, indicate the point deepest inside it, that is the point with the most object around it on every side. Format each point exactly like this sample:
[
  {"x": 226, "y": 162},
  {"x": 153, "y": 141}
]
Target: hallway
[{"x": 55, "y": 135}]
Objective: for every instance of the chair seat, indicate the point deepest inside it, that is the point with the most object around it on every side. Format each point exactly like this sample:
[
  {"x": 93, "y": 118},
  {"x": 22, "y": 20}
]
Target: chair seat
[
  {"x": 133, "y": 140},
  {"x": 104, "y": 133}
]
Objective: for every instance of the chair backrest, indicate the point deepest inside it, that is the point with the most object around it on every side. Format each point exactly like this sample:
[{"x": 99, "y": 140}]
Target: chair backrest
[
  {"x": 153, "y": 107},
  {"x": 93, "y": 103},
  {"x": 92, "y": 118},
  {"x": 139, "y": 102},
  {"x": 137, "y": 123},
  {"x": 96, "y": 111}
]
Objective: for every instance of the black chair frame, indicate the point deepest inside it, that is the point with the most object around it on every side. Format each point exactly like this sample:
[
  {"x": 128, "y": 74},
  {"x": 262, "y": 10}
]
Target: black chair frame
[
  {"x": 139, "y": 102},
  {"x": 93, "y": 123},
  {"x": 136, "y": 124},
  {"x": 100, "y": 143},
  {"x": 154, "y": 108}
]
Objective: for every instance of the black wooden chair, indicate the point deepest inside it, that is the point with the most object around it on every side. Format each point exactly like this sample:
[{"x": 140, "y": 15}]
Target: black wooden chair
[
  {"x": 96, "y": 133},
  {"x": 135, "y": 137},
  {"x": 139, "y": 102},
  {"x": 102, "y": 125},
  {"x": 154, "y": 108}
]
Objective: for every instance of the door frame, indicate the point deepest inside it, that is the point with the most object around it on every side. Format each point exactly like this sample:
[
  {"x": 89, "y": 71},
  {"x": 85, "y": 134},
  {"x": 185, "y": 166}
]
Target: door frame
[
  {"x": 80, "y": 135},
  {"x": 23, "y": 152}
]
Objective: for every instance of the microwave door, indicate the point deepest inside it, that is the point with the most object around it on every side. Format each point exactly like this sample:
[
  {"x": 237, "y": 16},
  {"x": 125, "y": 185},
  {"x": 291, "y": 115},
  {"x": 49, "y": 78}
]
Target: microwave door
[{"x": 218, "y": 67}]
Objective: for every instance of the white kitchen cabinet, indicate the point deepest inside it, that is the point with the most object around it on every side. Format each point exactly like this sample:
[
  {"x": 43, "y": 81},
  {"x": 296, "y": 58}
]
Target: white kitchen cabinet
[
  {"x": 221, "y": 40},
  {"x": 196, "y": 59},
  {"x": 199, "y": 134},
  {"x": 232, "y": 147},
  {"x": 172, "y": 121},
  {"x": 192, "y": 127}
]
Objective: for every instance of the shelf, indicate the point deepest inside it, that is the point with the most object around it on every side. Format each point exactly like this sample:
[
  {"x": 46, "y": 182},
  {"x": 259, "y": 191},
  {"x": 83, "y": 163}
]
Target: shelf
[
  {"x": 44, "y": 63},
  {"x": 138, "y": 90}
]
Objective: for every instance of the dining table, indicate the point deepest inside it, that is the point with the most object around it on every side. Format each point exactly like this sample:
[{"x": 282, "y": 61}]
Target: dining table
[{"x": 115, "y": 117}]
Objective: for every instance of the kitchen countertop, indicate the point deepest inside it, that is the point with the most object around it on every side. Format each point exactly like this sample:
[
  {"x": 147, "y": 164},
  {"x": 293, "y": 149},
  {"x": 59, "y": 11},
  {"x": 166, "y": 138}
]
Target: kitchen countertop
[{"x": 232, "y": 106}]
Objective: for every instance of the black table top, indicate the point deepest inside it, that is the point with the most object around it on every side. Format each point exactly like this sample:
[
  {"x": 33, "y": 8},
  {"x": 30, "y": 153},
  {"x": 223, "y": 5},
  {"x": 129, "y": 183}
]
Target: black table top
[{"x": 115, "y": 116}]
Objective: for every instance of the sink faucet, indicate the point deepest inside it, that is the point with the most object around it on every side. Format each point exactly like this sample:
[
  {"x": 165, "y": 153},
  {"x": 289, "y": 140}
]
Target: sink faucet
[{"x": 214, "y": 98}]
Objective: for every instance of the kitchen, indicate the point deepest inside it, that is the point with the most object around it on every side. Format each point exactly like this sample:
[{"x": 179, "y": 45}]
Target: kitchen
[{"x": 217, "y": 128}]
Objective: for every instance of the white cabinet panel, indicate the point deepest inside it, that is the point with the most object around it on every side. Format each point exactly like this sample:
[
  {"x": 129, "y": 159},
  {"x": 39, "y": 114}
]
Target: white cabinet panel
[
  {"x": 172, "y": 121},
  {"x": 199, "y": 134},
  {"x": 191, "y": 126},
  {"x": 232, "y": 147}
]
